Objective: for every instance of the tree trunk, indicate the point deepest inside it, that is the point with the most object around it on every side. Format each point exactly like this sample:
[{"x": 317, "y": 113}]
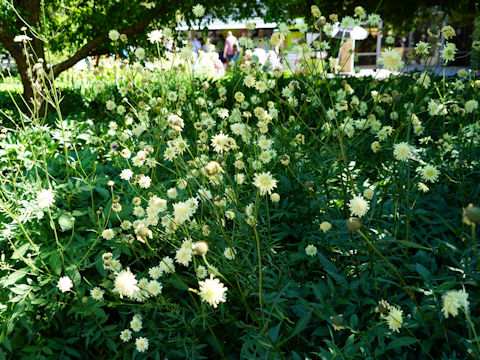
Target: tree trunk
[
  {"x": 29, "y": 57},
  {"x": 22, "y": 67}
]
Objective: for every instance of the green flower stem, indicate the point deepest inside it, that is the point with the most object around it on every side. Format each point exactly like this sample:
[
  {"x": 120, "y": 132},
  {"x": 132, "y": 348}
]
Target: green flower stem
[
  {"x": 260, "y": 298},
  {"x": 473, "y": 329},
  {"x": 475, "y": 248}
]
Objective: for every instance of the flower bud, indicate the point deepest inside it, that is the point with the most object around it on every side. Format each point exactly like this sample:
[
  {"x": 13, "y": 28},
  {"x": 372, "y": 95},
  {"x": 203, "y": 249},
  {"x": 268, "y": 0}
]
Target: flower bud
[
  {"x": 213, "y": 168},
  {"x": 275, "y": 197},
  {"x": 315, "y": 11},
  {"x": 353, "y": 224},
  {"x": 143, "y": 232},
  {"x": 320, "y": 23},
  {"x": 472, "y": 214},
  {"x": 200, "y": 247},
  {"x": 337, "y": 319},
  {"x": 116, "y": 207}
]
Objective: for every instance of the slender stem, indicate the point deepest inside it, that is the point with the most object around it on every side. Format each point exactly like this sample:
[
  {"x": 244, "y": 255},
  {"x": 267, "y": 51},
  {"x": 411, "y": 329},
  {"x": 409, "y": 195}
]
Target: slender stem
[
  {"x": 475, "y": 248},
  {"x": 260, "y": 298},
  {"x": 473, "y": 329}
]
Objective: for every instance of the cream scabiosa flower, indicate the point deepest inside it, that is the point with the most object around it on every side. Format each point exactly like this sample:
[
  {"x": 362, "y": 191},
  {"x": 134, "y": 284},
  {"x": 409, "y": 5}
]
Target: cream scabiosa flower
[
  {"x": 166, "y": 265},
  {"x": 358, "y": 206},
  {"x": 212, "y": 291},
  {"x": 471, "y": 106},
  {"x": 184, "y": 256},
  {"x": 448, "y": 52},
  {"x": 154, "y": 287},
  {"x": 311, "y": 250},
  {"x": 182, "y": 212},
  {"x": 114, "y": 35},
  {"x": 155, "y": 272},
  {"x": 141, "y": 344},
  {"x": 401, "y": 151},
  {"x": 368, "y": 193},
  {"x": 126, "y": 174},
  {"x": 125, "y": 284},
  {"x": 374, "y": 19},
  {"x": 125, "y": 335},
  {"x": 394, "y": 318},
  {"x": 144, "y": 181},
  {"x": 198, "y": 10},
  {"x": 108, "y": 234},
  {"x": 454, "y": 300},
  {"x": 64, "y": 284},
  {"x": 97, "y": 294},
  {"x": 422, "y": 48},
  {"x": 45, "y": 198},
  {"x": 155, "y": 36},
  {"x": 220, "y": 142},
  {"x": 429, "y": 173},
  {"x": 325, "y": 226},
  {"x": 424, "y": 80},
  {"x": 229, "y": 253},
  {"x": 265, "y": 182},
  {"x": 391, "y": 60}
]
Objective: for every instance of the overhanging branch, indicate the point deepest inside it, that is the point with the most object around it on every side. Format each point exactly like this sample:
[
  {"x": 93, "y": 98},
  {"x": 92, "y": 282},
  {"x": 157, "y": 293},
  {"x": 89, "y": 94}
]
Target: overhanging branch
[{"x": 89, "y": 48}]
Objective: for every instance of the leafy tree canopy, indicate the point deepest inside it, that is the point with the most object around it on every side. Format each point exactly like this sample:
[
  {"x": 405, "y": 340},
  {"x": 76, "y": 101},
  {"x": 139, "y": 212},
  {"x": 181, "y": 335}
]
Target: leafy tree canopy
[{"x": 75, "y": 29}]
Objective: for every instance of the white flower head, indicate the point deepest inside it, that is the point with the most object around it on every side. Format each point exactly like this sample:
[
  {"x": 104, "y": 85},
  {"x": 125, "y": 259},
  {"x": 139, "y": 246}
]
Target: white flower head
[
  {"x": 64, "y": 284},
  {"x": 114, "y": 35},
  {"x": 212, "y": 291},
  {"x": 401, "y": 151},
  {"x": 394, "y": 318},
  {"x": 45, "y": 198},
  {"x": 97, "y": 294},
  {"x": 125, "y": 284},
  {"x": 141, "y": 344},
  {"x": 198, "y": 10},
  {"x": 391, "y": 60},
  {"x": 265, "y": 182},
  {"x": 155, "y": 36},
  {"x": 311, "y": 250},
  {"x": 125, "y": 335},
  {"x": 108, "y": 234},
  {"x": 454, "y": 300},
  {"x": 358, "y": 206},
  {"x": 429, "y": 173}
]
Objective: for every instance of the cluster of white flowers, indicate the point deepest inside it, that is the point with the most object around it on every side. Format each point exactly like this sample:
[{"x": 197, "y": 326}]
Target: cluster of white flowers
[{"x": 222, "y": 167}]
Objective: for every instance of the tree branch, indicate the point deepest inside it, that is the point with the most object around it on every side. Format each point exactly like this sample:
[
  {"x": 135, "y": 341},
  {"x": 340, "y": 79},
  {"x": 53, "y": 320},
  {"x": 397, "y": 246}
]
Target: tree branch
[{"x": 89, "y": 48}]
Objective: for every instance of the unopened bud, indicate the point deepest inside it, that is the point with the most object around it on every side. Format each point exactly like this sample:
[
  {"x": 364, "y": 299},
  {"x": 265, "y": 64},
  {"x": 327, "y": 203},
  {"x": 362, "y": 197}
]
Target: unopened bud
[
  {"x": 200, "y": 247},
  {"x": 472, "y": 213},
  {"x": 337, "y": 320},
  {"x": 320, "y": 23},
  {"x": 353, "y": 224},
  {"x": 213, "y": 168}
]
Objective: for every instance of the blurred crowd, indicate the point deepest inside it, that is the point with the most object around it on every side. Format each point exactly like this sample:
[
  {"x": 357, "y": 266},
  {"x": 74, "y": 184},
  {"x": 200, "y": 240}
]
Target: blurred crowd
[{"x": 228, "y": 47}]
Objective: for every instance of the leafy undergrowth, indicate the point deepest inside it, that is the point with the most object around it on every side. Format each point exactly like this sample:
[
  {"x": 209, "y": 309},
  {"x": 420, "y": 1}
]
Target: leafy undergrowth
[{"x": 261, "y": 215}]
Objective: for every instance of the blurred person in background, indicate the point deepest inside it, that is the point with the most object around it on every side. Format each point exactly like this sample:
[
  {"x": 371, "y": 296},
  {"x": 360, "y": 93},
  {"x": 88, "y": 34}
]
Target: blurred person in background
[
  {"x": 230, "y": 48},
  {"x": 220, "y": 46},
  {"x": 197, "y": 45}
]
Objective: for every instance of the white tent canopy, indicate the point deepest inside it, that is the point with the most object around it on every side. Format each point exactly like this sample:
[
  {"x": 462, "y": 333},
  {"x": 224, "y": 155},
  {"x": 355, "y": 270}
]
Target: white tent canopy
[
  {"x": 356, "y": 33},
  {"x": 216, "y": 24}
]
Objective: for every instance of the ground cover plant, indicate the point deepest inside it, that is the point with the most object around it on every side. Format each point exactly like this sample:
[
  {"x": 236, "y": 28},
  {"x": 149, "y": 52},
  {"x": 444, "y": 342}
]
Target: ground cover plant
[{"x": 262, "y": 214}]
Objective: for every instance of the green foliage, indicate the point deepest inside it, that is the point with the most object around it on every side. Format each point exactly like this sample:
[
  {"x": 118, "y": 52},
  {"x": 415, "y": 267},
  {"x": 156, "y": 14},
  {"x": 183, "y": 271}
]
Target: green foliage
[{"x": 313, "y": 134}]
